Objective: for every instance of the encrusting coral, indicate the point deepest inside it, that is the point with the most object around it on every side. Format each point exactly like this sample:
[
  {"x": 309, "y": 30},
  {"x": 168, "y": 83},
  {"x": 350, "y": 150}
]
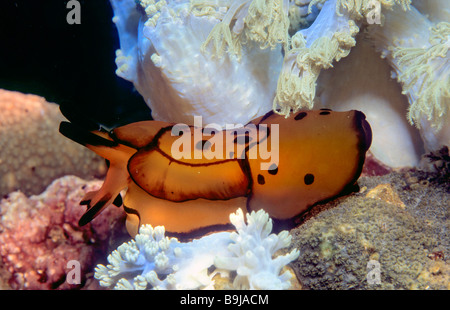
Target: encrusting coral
[
  {"x": 39, "y": 236},
  {"x": 32, "y": 151},
  {"x": 155, "y": 261},
  {"x": 399, "y": 221}
]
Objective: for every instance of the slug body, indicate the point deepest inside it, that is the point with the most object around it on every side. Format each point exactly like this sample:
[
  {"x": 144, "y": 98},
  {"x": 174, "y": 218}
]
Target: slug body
[{"x": 190, "y": 179}]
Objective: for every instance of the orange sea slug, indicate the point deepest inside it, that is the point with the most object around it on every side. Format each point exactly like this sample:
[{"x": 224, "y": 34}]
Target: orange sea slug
[{"x": 319, "y": 155}]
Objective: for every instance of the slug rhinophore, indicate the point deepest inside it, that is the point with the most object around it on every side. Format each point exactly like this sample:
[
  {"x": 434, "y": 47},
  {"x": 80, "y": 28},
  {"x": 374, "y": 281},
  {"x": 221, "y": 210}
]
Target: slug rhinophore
[{"x": 190, "y": 178}]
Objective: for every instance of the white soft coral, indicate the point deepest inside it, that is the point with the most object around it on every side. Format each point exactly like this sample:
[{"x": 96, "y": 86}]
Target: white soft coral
[
  {"x": 417, "y": 49},
  {"x": 329, "y": 39},
  {"x": 263, "y": 21},
  {"x": 153, "y": 260},
  {"x": 165, "y": 53},
  {"x": 252, "y": 253}
]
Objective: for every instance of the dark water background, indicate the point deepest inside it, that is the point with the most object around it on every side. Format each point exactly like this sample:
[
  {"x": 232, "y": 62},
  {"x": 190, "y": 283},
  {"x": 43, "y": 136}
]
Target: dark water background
[{"x": 41, "y": 53}]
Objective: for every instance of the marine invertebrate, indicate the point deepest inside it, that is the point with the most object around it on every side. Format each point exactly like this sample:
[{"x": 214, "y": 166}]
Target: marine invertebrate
[
  {"x": 418, "y": 67},
  {"x": 417, "y": 49},
  {"x": 320, "y": 34},
  {"x": 155, "y": 261},
  {"x": 39, "y": 235},
  {"x": 161, "y": 53},
  {"x": 302, "y": 14},
  {"x": 263, "y": 22},
  {"x": 315, "y": 48},
  {"x": 189, "y": 179},
  {"x": 33, "y": 153}
]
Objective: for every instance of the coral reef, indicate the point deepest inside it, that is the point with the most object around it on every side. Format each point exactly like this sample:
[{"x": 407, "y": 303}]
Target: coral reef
[
  {"x": 378, "y": 92},
  {"x": 33, "y": 153},
  {"x": 399, "y": 220},
  {"x": 155, "y": 261},
  {"x": 39, "y": 235},
  {"x": 231, "y": 61}
]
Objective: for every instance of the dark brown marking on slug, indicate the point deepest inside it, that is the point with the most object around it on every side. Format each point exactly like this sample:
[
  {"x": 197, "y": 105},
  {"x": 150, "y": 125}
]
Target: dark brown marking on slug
[
  {"x": 261, "y": 179},
  {"x": 94, "y": 210},
  {"x": 300, "y": 116}
]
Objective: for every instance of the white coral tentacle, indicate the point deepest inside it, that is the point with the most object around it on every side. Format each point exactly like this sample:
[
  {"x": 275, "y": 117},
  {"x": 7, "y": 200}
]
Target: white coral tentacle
[{"x": 329, "y": 39}]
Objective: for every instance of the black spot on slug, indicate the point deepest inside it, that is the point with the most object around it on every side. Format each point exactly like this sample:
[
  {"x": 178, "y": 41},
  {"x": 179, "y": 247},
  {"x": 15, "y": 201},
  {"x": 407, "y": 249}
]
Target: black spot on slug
[
  {"x": 118, "y": 201},
  {"x": 324, "y": 113},
  {"x": 273, "y": 169},
  {"x": 261, "y": 179},
  {"x": 309, "y": 179},
  {"x": 300, "y": 116}
]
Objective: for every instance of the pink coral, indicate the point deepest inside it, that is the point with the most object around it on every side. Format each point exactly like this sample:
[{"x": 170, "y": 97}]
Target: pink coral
[
  {"x": 32, "y": 151},
  {"x": 39, "y": 235}
]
